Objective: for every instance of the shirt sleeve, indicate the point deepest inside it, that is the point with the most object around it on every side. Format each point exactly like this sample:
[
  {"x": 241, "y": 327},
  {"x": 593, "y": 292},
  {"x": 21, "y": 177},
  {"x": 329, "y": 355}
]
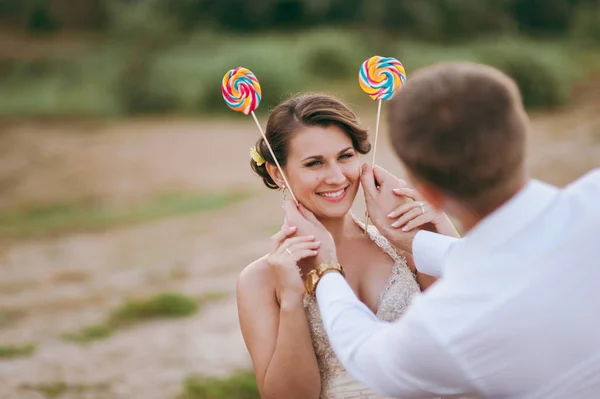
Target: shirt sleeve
[
  {"x": 430, "y": 251},
  {"x": 401, "y": 359}
]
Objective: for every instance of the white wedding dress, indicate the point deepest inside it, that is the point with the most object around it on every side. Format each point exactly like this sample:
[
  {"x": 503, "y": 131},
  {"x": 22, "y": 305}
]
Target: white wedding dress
[{"x": 402, "y": 285}]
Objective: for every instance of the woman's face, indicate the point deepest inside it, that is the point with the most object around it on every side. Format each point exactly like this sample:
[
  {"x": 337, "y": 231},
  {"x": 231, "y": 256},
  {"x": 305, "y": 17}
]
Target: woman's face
[{"x": 323, "y": 169}]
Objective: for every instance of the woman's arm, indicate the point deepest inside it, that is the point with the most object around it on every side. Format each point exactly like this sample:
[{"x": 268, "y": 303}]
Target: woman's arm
[
  {"x": 443, "y": 225},
  {"x": 277, "y": 337}
]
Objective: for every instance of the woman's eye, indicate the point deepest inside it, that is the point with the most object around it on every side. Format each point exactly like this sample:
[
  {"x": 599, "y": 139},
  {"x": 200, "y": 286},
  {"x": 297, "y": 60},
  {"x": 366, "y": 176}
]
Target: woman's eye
[
  {"x": 346, "y": 156},
  {"x": 313, "y": 163}
]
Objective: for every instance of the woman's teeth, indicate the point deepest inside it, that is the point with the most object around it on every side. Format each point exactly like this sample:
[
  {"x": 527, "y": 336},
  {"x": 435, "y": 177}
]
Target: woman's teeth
[{"x": 334, "y": 194}]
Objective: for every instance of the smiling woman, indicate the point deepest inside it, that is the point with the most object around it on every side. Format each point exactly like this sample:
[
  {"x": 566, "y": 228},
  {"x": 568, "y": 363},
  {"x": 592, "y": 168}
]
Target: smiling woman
[
  {"x": 318, "y": 142},
  {"x": 316, "y": 138}
]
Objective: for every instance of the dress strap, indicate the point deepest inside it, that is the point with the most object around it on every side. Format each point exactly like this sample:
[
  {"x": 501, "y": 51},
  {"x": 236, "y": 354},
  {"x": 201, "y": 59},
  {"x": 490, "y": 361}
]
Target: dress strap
[{"x": 380, "y": 240}]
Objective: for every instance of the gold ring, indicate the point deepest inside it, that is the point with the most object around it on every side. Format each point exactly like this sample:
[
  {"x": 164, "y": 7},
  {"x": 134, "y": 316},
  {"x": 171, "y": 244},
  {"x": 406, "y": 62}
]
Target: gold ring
[{"x": 422, "y": 208}]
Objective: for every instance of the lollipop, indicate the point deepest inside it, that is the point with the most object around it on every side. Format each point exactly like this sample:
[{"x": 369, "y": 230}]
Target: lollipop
[
  {"x": 380, "y": 78},
  {"x": 241, "y": 92}
]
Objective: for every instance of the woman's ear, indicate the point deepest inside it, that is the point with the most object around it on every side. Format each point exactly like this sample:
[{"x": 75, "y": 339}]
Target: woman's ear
[{"x": 275, "y": 174}]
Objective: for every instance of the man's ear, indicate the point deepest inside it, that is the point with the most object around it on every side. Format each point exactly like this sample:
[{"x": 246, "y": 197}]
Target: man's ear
[{"x": 275, "y": 174}]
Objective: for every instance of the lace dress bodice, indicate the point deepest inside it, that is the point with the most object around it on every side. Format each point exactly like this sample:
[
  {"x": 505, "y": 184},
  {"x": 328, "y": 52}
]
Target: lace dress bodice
[{"x": 401, "y": 286}]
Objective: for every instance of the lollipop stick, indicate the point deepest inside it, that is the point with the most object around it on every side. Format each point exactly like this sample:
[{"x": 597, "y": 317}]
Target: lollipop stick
[
  {"x": 374, "y": 150},
  {"x": 274, "y": 157},
  {"x": 376, "y": 132}
]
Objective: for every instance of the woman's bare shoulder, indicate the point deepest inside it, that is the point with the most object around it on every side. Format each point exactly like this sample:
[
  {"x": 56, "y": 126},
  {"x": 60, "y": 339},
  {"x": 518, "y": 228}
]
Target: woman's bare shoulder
[{"x": 256, "y": 275}]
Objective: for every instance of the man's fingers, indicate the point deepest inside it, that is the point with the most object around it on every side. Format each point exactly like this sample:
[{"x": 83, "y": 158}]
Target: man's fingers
[
  {"x": 367, "y": 180},
  {"x": 383, "y": 177},
  {"x": 308, "y": 215},
  {"x": 408, "y": 192},
  {"x": 291, "y": 211}
]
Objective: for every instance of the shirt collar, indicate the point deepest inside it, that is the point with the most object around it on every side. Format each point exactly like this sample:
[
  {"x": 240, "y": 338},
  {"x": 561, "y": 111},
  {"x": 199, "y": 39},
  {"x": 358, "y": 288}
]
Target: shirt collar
[{"x": 516, "y": 213}]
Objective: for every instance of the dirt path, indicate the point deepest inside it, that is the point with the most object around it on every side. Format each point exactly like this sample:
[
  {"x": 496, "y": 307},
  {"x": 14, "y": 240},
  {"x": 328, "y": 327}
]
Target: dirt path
[{"x": 63, "y": 283}]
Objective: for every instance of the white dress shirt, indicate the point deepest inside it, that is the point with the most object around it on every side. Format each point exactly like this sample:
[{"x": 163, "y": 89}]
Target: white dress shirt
[{"x": 516, "y": 314}]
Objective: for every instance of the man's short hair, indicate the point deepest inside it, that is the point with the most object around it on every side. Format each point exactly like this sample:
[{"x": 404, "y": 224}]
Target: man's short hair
[{"x": 462, "y": 128}]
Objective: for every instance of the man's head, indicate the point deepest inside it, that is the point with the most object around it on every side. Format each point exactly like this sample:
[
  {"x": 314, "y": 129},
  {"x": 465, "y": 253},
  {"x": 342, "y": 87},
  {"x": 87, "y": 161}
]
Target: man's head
[{"x": 460, "y": 129}]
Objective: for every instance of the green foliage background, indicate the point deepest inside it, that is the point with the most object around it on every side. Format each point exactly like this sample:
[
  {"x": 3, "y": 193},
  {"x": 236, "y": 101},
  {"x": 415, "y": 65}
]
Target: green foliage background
[{"x": 162, "y": 56}]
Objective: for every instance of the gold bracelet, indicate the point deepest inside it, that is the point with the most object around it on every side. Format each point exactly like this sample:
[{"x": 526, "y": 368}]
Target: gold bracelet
[{"x": 314, "y": 276}]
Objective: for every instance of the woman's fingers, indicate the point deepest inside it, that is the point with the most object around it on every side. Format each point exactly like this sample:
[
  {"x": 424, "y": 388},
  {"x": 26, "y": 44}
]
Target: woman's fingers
[
  {"x": 417, "y": 222},
  {"x": 402, "y": 209},
  {"x": 304, "y": 253},
  {"x": 408, "y": 216},
  {"x": 292, "y": 245},
  {"x": 290, "y": 242},
  {"x": 280, "y": 236}
]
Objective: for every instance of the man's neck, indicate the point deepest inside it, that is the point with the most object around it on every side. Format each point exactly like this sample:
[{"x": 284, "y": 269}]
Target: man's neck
[{"x": 469, "y": 218}]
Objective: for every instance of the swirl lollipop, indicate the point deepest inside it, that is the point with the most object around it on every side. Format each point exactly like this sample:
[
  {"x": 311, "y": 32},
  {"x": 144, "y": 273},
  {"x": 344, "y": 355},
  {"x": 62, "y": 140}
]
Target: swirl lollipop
[
  {"x": 241, "y": 92},
  {"x": 380, "y": 78}
]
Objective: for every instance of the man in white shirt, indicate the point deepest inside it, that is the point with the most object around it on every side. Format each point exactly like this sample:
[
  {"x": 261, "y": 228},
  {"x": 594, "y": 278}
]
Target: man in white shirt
[{"x": 516, "y": 313}]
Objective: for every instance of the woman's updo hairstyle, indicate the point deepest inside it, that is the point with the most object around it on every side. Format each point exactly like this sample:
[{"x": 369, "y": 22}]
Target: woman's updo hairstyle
[{"x": 305, "y": 110}]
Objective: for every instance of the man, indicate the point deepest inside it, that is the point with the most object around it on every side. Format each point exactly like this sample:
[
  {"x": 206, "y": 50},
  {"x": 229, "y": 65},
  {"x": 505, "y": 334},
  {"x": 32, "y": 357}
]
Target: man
[{"x": 516, "y": 313}]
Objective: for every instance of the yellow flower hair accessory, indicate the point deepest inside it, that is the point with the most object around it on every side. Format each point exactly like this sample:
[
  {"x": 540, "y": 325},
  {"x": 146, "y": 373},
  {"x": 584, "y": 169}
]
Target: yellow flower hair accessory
[{"x": 256, "y": 156}]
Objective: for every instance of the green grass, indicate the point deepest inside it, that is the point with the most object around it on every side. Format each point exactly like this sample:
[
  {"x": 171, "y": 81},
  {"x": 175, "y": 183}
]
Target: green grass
[
  {"x": 56, "y": 389},
  {"x": 89, "y": 334},
  {"x": 9, "y": 316},
  {"x": 13, "y": 351},
  {"x": 241, "y": 385},
  {"x": 82, "y": 216},
  {"x": 165, "y": 305},
  {"x": 161, "y": 306}
]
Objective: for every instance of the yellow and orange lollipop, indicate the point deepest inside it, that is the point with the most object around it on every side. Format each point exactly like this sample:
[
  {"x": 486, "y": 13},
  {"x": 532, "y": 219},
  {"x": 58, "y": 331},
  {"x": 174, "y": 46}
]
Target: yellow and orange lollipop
[{"x": 241, "y": 92}]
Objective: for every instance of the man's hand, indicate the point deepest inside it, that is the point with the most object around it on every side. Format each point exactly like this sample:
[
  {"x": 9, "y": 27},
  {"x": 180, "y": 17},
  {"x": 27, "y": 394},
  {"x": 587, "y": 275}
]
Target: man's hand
[
  {"x": 308, "y": 225},
  {"x": 378, "y": 185}
]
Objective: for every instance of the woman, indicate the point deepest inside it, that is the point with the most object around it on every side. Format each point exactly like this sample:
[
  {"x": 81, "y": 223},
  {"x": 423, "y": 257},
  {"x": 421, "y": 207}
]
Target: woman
[{"x": 317, "y": 141}]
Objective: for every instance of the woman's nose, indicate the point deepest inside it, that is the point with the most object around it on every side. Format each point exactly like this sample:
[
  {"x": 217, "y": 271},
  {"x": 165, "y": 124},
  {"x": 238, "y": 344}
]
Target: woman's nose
[{"x": 335, "y": 175}]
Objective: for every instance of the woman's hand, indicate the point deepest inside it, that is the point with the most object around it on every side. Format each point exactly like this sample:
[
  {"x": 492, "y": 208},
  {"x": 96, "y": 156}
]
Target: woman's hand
[
  {"x": 420, "y": 213},
  {"x": 415, "y": 213},
  {"x": 286, "y": 252}
]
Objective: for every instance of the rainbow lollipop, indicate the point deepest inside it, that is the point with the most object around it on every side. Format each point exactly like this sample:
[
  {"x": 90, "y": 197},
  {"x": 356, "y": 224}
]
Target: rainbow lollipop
[
  {"x": 380, "y": 78},
  {"x": 241, "y": 92}
]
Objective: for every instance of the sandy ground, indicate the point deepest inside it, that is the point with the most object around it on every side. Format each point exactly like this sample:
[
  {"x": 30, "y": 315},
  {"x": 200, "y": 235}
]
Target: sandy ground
[{"x": 64, "y": 282}]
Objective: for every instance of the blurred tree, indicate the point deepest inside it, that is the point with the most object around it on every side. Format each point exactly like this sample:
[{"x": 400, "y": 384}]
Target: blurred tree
[
  {"x": 439, "y": 20},
  {"x": 41, "y": 18},
  {"x": 542, "y": 16}
]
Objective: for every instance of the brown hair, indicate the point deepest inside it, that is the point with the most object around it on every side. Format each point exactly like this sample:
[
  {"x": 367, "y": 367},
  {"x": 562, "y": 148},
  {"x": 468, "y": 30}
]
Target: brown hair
[
  {"x": 462, "y": 128},
  {"x": 300, "y": 111}
]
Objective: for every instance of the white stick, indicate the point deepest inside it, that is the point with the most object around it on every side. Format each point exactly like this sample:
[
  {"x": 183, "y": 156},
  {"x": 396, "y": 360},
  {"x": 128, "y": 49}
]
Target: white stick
[
  {"x": 274, "y": 157},
  {"x": 376, "y": 132},
  {"x": 374, "y": 150}
]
